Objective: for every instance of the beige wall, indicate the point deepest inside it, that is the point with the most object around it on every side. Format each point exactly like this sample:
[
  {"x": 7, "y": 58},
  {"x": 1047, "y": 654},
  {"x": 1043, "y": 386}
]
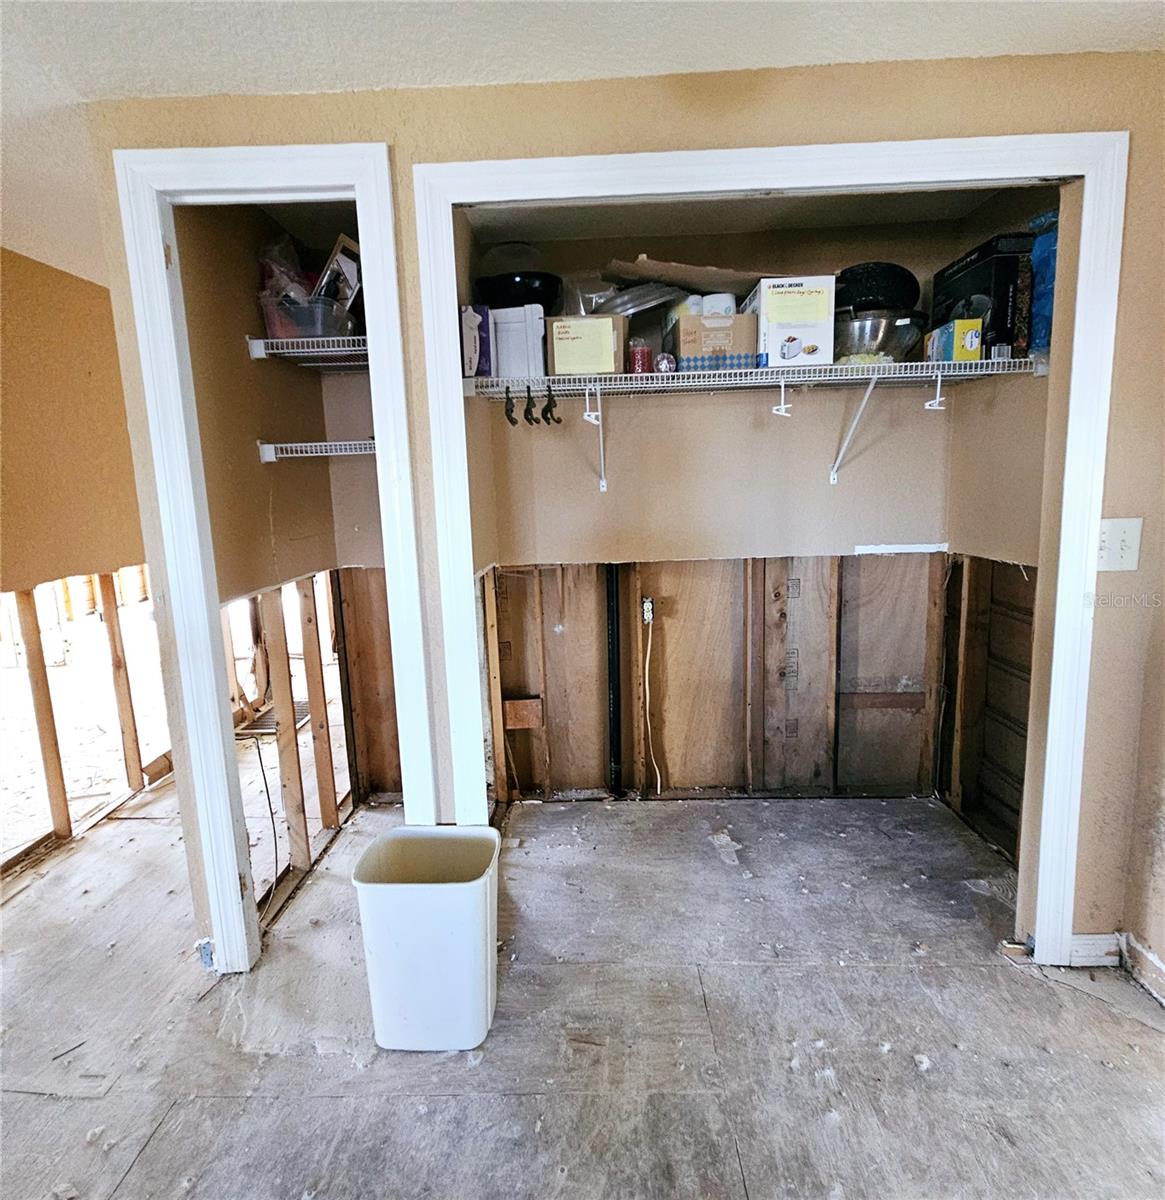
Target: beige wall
[
  {"x": 886, "y": 101},
  {"x": 68, "y": 505},
  {"x": 269, "y": 522}
]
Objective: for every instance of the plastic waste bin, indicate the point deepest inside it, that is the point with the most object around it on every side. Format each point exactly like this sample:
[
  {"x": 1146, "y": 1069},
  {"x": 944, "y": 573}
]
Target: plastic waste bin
[{"x": 429, "y": 915}]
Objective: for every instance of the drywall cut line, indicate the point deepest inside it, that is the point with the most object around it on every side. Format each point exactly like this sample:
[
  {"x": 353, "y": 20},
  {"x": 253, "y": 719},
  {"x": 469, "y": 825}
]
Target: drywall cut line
[
  {"x": 917, "y": 548},
  {"x": 1135, "y": 957}
]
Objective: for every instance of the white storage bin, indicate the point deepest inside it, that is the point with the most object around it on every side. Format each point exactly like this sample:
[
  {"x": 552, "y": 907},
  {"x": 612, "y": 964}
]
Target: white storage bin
[{"x": 429, "y": 916}]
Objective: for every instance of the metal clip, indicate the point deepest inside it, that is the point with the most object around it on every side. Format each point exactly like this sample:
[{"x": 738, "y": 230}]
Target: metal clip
[
  {"x": 531, "y": 418},
  {"x": 548, "y": 413},
  {"x": 784, "y": 409},
  {"x": 938, "y": 403},
  {"x": 510, "y": 408}
]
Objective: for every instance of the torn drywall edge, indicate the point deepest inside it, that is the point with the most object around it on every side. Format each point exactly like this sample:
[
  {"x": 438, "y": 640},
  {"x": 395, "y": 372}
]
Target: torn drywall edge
[
  {"x": 1144, "y": 966},
  {"x": 918, "y": 548}
]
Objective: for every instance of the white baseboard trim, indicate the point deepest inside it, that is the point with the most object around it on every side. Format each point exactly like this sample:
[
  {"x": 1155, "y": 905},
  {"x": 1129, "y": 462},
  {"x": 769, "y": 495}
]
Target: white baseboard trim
[{"x": 1095, "y": 950}]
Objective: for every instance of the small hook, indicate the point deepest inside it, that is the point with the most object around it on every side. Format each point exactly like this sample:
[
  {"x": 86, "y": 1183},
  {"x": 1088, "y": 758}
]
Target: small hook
[
  {"x": 548, "y": 413},
  {"x": 531, "y": 419},
  {"x": 510, "y": 408}
]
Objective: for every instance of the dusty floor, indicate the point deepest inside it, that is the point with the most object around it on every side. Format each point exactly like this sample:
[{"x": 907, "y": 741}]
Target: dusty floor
[{"x": 700, "y": 999}]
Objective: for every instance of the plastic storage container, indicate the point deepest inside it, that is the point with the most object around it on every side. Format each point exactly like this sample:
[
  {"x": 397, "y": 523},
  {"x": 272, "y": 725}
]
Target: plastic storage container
[
  {"x": 429, "y": 915},
  {"x": 315, "y": 318}
]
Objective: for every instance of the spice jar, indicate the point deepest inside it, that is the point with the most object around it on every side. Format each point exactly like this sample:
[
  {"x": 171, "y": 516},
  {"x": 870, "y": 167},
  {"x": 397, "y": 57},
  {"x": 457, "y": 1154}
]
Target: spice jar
[{"x": 638, "y": 356}]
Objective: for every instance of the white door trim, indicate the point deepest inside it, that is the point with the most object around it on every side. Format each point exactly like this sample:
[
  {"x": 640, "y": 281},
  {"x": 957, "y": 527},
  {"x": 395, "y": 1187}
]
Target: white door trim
[
  {"x": 150, "y": 183},
  {"x": 1099, "y": 158}
]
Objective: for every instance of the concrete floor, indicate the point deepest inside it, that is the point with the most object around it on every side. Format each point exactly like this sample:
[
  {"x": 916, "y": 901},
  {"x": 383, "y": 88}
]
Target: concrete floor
[{"x": 696, "y": 999}]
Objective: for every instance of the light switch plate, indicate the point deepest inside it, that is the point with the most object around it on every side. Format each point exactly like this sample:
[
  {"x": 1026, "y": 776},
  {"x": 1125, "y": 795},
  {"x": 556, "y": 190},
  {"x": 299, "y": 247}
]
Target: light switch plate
[{"x": 1120, "y": 543}]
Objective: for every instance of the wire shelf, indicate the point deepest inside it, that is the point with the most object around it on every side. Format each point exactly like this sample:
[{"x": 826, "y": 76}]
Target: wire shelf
[
  {"x": 334, "y": 354},
  {"x": 274, "y": 451},
  {"x": 761, "y": 379}
]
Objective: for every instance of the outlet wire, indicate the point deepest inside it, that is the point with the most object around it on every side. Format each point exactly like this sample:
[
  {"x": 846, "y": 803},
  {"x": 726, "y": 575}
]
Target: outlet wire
[{"x": 647, "y": 707}]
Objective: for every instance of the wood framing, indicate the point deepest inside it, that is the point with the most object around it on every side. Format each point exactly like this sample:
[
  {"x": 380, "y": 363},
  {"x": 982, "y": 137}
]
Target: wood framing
[
  {"x": 317, "y": 702},
  {"x": 42, "y": 707},
  {"x": 150, "y": 183},
  {"x": 286, "y": 739},
  {"x": 497, "y": 723},
  {"x": 932, "y": 669},
  {"x": 971, "y": 684},
  {"x": 1100, "y": 159},
  {"x": 130, "y": 751}
]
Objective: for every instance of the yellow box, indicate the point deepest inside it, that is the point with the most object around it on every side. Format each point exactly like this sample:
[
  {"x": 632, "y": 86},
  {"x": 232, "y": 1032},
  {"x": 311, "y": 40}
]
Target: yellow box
[{"x": 956, "y": 341}]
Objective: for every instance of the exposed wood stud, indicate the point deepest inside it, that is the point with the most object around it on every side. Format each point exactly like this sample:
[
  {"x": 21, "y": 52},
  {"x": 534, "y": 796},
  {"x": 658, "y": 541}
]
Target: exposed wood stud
[
  {"x": 494, "y": 673},
  {"x": 42, "y": 704},
  {"x": 971, "y": 684},
  {"x": 259, "y": 652},
  {"x": 776, "y": 573},
  {"x": 239, "y": 701},
  {"x": 317, "y": 701},
  {"x": 638, "y": 729},
  {"x": 130, "y": 750},
  {"x": 539, "y": 625},
  {"x": 932, "y": 668},
  {"x": 287, "y": 743},
  {"x": 523, "y": 714}
]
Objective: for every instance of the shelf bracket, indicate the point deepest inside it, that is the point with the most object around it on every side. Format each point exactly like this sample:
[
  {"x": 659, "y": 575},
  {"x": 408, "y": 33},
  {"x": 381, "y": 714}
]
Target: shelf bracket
[
  {"x": 784, "y": 409},
  {"x": 593, "y": 412},
  {"x": 938, "y": 403},
  {"x": 853, "y": 428}
]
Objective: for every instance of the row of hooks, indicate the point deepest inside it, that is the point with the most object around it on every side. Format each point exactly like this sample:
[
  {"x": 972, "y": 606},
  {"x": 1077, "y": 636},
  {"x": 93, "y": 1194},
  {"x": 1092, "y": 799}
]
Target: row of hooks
[{"x": 549, "y": 415}]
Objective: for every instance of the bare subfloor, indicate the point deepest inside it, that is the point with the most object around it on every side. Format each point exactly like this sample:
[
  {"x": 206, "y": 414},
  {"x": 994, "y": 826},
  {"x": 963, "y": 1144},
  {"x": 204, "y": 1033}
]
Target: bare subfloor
[{"x": 696, "y": 999}]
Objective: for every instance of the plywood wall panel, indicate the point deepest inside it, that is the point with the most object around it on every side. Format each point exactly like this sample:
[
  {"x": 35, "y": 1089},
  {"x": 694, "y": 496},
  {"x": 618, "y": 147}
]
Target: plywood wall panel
[
  {"x": 885, "y": 672},
  {"x": 574, "y": 617},
  {"x": 800, "y": 673},
  {"x": 697, "y": 671},
  {"x": 364, "y": 598}
]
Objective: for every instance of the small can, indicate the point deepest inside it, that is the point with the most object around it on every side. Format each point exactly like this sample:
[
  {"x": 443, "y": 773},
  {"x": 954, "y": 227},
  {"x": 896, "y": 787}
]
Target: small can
[
  {"x": 665, "y": 364},
  {"x": 638, "y": 357}
]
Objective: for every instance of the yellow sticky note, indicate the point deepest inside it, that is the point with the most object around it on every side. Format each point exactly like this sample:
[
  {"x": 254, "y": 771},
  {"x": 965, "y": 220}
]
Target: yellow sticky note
[
  {"x": 797, "y": 306},
  {"x": 583, "y": 346}
]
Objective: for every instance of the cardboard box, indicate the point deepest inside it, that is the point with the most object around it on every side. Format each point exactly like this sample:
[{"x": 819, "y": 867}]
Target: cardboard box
[
  {"x": 713, "y": 343},
  {"x": 992, "y": 282},
  {"x": 477, "y": 337},
  {"x": 794, "y": 320},
  {"x": 585, "y": 345},
  {"x": 956, "y": 341}
]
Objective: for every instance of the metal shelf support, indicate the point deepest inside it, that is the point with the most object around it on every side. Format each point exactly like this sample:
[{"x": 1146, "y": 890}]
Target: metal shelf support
[
  {"x": 593, "y": 412},
  {"x": 849, "y": 434}
]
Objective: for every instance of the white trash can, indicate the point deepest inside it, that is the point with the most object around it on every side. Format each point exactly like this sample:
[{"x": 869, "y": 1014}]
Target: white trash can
[{"x": 429, "y": 916}]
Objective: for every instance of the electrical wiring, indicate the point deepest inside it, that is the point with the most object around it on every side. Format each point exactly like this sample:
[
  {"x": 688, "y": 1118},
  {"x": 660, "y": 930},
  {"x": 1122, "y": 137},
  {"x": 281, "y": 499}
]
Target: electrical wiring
[{"x": 647, "y": 707}]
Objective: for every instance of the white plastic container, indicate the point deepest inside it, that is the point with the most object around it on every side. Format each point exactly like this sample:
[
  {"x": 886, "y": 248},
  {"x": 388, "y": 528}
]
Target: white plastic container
[{"x": 429, "y": 916}]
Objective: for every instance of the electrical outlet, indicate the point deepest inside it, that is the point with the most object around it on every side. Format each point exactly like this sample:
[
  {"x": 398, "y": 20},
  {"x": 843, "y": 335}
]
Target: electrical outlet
[
  {"x": 648, "y": 610},
  {"x": 1120, "y": 543}
]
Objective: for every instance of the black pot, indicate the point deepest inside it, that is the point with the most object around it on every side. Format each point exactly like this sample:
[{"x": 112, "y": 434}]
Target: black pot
[
  {"x": 516, "y": 288},
  {"x": 871, "y": 285}
]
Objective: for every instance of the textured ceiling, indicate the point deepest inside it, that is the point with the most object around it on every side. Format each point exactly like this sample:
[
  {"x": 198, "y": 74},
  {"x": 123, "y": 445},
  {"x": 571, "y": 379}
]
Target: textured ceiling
[{"x": 56, "y": 56}]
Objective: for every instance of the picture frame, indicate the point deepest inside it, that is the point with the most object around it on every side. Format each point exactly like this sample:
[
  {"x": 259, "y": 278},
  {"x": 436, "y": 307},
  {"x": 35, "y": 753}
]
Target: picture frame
[{"x": 340, "y": 278}]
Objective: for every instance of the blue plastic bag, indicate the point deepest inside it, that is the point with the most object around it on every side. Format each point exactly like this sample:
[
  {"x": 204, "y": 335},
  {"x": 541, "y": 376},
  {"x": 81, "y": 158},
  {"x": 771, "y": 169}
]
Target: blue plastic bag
[{"x": 1045, "y": 227}]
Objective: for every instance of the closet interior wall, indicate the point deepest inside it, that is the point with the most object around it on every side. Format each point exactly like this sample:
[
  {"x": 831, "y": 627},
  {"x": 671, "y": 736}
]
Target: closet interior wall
[
  {"x": 782, "y": 662},
  {"x": 277, "y": 523}
]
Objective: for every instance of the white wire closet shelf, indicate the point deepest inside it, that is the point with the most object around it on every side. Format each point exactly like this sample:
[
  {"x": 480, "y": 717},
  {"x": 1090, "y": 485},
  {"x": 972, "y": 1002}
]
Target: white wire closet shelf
[
  {"x": 270, "y": 452},
  {"x": 760, "y": 379},
  {"x": 334, "y": 355}
]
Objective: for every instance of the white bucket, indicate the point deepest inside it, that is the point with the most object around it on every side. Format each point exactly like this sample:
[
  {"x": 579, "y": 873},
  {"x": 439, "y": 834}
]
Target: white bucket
[{"x": 429, "y": 915}]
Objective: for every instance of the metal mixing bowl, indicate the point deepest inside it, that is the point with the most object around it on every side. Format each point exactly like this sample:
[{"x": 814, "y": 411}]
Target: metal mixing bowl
[{"x": 894, "y": 332}]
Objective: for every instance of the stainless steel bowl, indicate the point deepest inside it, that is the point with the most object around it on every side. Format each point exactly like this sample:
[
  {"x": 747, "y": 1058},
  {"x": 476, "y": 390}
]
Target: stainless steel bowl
[{"x": 896, "y": 333}]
